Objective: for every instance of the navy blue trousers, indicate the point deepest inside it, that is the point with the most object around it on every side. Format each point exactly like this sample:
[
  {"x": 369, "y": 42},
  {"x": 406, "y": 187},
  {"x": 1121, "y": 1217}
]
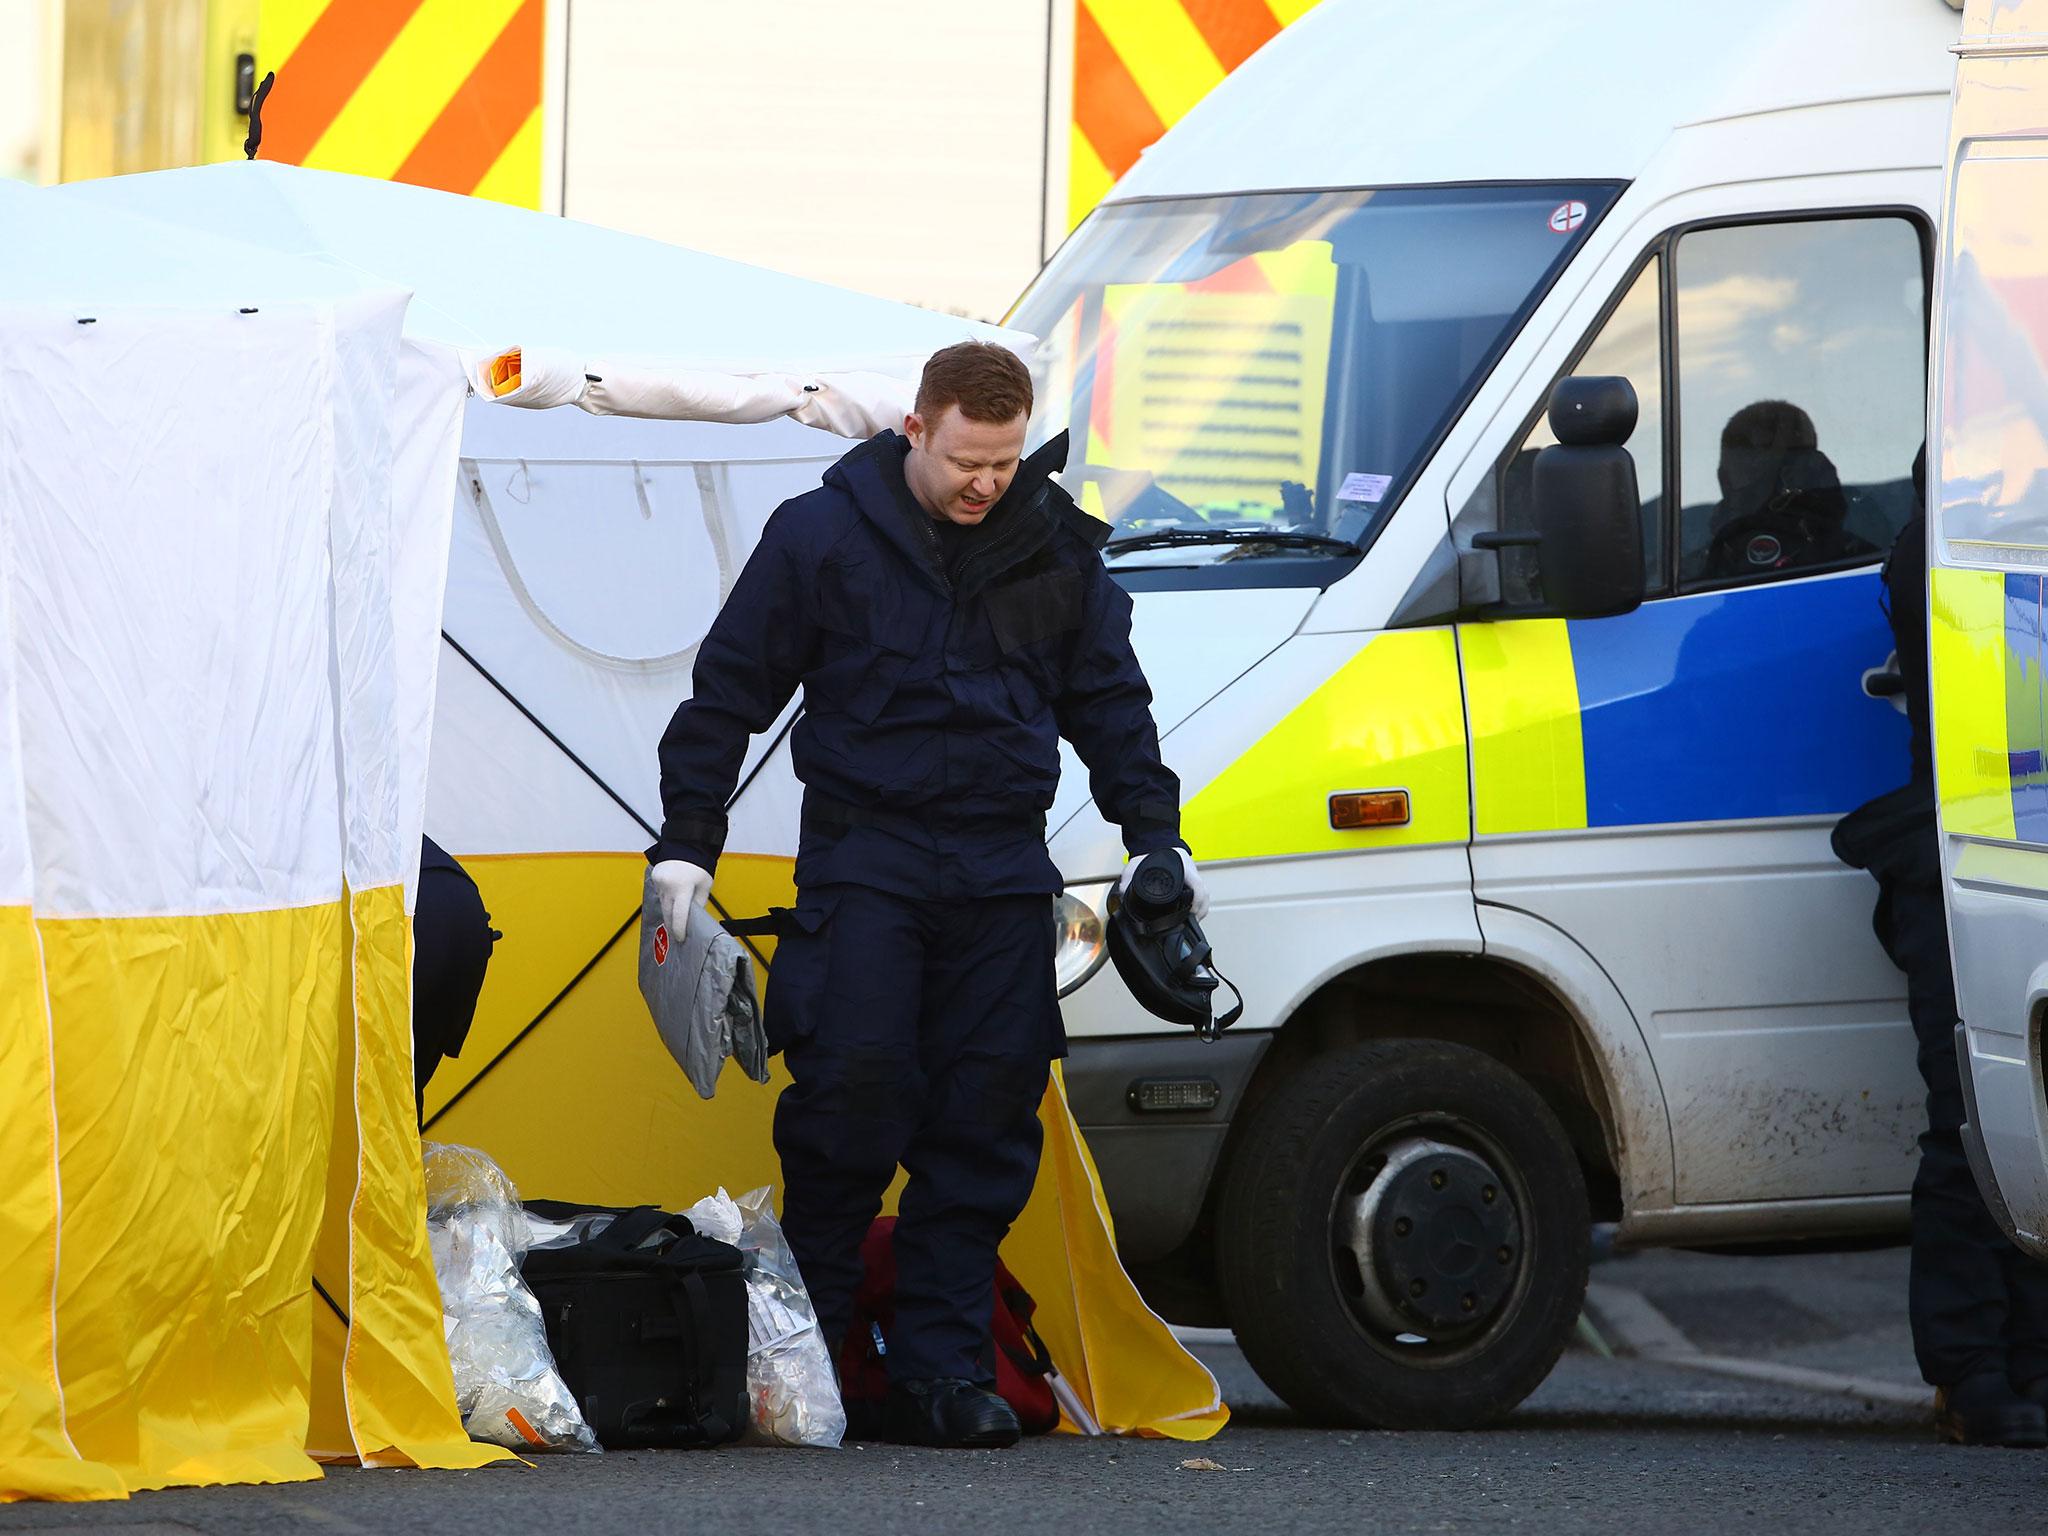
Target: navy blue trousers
[
  {"x": 1978, "y": 1305},
  {"x": 917, "y": 1034}
]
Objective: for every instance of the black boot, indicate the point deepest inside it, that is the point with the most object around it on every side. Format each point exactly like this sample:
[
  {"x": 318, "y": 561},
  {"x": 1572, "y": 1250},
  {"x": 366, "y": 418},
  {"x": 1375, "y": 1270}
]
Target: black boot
[
  {"x": 948, "y": 1411},
  {"x": 2035, "y": 1391},
  {"x": 1984, "y": 1410}
]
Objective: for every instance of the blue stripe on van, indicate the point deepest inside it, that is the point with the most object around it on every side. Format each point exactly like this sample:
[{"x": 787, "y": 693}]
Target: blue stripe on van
[
  {"x": 1746, "y": 703},
  {"x": 2025, "y": 708}
]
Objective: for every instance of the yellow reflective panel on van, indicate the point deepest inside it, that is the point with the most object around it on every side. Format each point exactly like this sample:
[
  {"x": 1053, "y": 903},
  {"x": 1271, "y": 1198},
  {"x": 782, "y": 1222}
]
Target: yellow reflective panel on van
[
  {"x": 1972, "y": 750},
  {"x": 1528, "y": 752},
  {"x": 1390, "y": 718}
]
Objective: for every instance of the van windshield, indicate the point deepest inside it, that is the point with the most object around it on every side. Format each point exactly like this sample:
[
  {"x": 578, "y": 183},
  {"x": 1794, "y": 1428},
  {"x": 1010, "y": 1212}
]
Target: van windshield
[{"x": 1252, "y": 381}]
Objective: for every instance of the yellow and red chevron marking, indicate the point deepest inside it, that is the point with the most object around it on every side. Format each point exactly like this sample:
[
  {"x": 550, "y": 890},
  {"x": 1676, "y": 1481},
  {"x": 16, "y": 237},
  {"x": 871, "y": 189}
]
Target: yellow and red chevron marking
[
  {"x": 1140, "y": 64},
  {"x": 440, "y": 93}
]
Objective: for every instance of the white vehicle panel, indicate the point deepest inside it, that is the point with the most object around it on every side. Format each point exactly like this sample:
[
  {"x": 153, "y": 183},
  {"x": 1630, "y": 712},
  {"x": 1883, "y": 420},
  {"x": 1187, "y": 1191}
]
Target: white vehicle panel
[
  {"x": 1283, "y": 927},
  {"x": 1777, "y": 1024},
  {"x": 1997, "y": 913},
  {"x": 1359, "y": 95},
  {"x": 1640, "y": 1131},
  {"x": 1987, "y": 420},
  {"x": 899, "y": 150},
  {"x": 1192, "y": 646}
]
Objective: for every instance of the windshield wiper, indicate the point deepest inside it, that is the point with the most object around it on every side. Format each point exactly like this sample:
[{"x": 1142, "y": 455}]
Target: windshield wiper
[{"x": 1166, "y": 538}]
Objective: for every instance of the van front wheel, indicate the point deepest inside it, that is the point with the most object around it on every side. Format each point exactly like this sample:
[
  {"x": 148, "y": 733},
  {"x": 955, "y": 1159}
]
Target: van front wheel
[{"x": 1402, "y": 1237}]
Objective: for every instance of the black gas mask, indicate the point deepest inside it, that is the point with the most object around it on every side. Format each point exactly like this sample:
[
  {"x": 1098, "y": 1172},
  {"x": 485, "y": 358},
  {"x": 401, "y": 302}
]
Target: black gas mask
[{"x": 1159, "y": 949}]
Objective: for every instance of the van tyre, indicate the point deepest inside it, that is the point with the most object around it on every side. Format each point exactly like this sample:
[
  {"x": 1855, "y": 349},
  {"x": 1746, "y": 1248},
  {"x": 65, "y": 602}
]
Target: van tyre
[{"x": 1402, "y": 1237}]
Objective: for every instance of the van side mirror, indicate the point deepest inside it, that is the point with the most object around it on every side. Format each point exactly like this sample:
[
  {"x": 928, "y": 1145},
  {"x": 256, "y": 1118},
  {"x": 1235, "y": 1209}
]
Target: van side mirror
[{"x": 1583, "y": 501}]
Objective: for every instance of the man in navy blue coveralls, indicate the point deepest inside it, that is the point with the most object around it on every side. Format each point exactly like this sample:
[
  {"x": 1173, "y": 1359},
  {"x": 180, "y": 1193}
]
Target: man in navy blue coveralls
[{"x": 946, "y": 610}]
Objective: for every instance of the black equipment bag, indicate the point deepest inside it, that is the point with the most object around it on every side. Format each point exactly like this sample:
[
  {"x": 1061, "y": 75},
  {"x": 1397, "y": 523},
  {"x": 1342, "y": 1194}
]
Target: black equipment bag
[{"x": 648, "y": 1324}]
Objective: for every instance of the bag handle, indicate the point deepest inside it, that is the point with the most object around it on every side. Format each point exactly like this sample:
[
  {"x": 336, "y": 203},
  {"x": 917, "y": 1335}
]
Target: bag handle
[
  {"x": 692, "y": 1304},
  {"x": 773, "y": 924},
  {"x": 629, "y": 1229},
  {"x": 1036, "y": 1360},
  {"x": 692, "y": 1307}
]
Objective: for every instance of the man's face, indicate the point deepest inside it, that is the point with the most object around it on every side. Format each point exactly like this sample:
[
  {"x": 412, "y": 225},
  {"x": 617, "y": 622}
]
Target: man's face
[{"x": 958, "y": 468}]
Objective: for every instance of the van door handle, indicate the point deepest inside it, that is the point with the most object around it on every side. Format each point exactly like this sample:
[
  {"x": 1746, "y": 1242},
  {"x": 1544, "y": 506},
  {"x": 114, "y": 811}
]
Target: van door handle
[{"x": 1887, "y": 682}]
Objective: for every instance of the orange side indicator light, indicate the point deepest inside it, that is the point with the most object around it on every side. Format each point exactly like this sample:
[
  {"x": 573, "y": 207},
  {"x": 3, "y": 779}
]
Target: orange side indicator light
[
  {"x": 1365, "y": 809},
  {"x": 505, "y": 373}
]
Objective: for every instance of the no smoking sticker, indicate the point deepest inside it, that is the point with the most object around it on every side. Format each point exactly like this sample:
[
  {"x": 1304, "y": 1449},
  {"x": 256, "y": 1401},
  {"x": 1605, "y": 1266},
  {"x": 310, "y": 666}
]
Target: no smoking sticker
[{"x": 1566, "y": 217}]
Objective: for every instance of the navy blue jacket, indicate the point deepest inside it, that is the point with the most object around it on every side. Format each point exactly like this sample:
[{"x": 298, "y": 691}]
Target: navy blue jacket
[{"x": 933, "y": 706}]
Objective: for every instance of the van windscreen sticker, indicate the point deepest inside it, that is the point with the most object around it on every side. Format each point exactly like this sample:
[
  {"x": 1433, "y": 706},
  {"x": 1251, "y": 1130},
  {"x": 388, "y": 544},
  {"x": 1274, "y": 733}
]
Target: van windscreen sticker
[
  {"x": 1358, "y": 487},
  {"x": 1567, "y": 217}
]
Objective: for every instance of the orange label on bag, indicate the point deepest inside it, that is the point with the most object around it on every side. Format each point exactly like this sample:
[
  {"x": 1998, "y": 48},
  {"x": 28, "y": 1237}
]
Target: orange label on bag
[{"x": 518, "y": 1421}]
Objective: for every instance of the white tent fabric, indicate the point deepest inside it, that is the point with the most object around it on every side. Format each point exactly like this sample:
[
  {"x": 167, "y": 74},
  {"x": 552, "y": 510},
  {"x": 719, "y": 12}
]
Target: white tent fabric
[
  {"x": 76, "y": 257},
  {"x": 584, "y": 546},
  {"x": 141, "y": 657},
  {"x": 485, "y": 275},
  {"x": 217, "y": 700},
  {"x": 79, "y": 253}
]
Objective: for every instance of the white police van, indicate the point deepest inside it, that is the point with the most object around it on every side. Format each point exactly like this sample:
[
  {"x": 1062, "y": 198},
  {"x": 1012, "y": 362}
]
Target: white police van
[
  {"x": 1519, "y": 850},
  {"x": 1987, "y": 549}
]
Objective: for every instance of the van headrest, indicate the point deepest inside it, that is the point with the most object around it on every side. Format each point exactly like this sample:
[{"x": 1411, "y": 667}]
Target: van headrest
[{"x": 1592, "y": 411}]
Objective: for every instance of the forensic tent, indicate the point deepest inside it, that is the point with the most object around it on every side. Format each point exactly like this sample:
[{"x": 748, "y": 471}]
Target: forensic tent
[
  {"x": 216, "y": 465},
  {"x": 580, "y": 560}
]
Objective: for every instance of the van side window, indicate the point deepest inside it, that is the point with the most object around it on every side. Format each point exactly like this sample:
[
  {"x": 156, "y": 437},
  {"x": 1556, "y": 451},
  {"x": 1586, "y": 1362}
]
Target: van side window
[
  {"x": 1628, "y": 344},
  {"x": 1801, "y": 394}
]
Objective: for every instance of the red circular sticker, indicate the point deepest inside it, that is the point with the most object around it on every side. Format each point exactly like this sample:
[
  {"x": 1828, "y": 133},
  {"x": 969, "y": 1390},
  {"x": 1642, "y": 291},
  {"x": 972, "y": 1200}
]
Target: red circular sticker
[
  {"x": 1566, "y": 217},
  {"x": 661, "y": 946}
]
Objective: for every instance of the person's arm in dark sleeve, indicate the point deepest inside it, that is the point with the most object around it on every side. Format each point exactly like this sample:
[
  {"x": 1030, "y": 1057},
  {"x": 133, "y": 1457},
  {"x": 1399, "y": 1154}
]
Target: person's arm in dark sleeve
[
  {"x": 1106, "y": 712},
  {"x": 747, "y": 667},
  {"x": 1905, "y": 581}
]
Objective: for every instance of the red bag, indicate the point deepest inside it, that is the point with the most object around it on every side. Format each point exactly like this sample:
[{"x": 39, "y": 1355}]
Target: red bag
[{"x": 1023, "y": 1365}]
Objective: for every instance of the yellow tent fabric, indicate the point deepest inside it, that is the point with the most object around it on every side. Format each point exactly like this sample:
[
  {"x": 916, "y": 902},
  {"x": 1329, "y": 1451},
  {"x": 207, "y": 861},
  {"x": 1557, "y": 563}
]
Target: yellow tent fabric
[
  {"x": 566, "y": 1084},
  {"x": 183, "y": 1301},
  {"x": 1113, "y": 1349},
  {"x": 204, "y": 1020},
  {"x": 37, "y": 1458},
  {"x": 396, "y": 1375}
]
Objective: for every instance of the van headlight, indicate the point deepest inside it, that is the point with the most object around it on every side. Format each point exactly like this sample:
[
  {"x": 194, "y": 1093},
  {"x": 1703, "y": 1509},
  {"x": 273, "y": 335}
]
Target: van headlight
[{"x": 1081, "y": 947}]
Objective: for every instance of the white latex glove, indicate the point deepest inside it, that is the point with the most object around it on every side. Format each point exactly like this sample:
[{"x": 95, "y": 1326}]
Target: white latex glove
[
  {"x": 1196, "y": 889},
  {"x": 680, "y": 887}
]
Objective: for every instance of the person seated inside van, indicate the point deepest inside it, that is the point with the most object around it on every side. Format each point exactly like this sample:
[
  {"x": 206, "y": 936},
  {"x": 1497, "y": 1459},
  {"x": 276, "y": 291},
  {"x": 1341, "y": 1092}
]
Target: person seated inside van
[{"x": 1782, "y": 504}]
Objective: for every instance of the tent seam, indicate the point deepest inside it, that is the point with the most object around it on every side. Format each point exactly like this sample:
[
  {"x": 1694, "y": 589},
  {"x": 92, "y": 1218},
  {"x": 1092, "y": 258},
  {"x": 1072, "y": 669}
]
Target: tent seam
[
  {"x": 560, "y": 745},
  {"x": 42, "y": 979},
  {"x": 355, "y": 1092},
  {"x": 143, "y": 917},
  {"x": 536, "y": 1021},
  {"x": 355, "y": 991},
  {"x": 717, "y": 906},
  {"x": 56, "y": 1184}
]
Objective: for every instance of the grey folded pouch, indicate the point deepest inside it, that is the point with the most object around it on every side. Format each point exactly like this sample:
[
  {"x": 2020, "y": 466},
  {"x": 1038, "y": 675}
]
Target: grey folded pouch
[{"x": 699, "y": 986}]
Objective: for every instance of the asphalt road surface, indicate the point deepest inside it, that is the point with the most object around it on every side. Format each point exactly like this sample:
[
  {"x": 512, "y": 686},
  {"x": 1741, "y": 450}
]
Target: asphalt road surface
[{"x": 1765, "y": 1395}]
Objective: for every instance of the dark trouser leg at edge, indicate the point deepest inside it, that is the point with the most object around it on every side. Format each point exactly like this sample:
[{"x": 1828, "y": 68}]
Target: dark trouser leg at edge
[
  {"x": 1965, "y": 1275},
  {"x": 989, "y": 1026},
  {"x": 919, "y": 1033},
  {"x": 839, "y": 1149},
  {"x": 843, "y": 996}
]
